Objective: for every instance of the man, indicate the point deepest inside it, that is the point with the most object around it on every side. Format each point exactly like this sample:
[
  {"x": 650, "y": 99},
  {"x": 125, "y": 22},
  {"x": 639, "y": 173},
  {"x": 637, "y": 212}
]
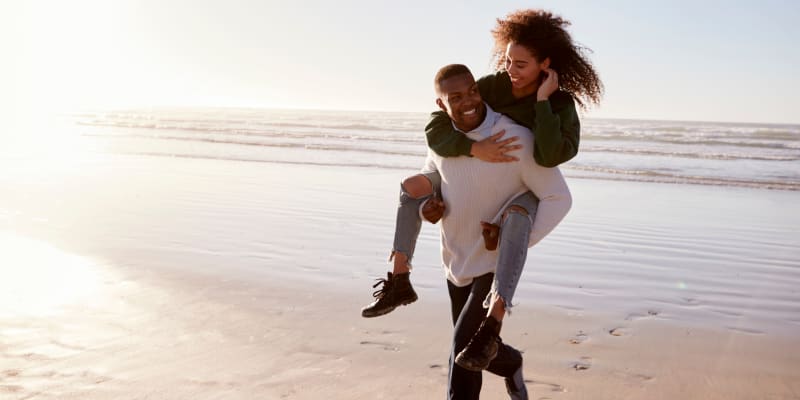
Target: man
[{"x": 474, "y": 190}]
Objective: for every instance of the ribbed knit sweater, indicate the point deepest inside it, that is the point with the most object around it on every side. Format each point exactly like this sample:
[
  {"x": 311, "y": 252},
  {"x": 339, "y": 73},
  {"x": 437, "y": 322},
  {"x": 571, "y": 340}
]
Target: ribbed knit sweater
[{"x": 474, "y": 191}]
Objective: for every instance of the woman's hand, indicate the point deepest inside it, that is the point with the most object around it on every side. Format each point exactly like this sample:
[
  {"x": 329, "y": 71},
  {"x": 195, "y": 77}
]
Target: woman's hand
[
  {"x": 549, "y": 85},
  {"x": 492, "y": 149}
]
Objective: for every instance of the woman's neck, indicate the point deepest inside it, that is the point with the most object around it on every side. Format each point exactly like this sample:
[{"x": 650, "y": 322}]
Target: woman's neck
[{"x": 526, "y": 91}]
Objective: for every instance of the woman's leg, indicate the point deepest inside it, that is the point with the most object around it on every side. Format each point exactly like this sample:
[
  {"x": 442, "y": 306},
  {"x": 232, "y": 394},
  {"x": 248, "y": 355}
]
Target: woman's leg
[
  {"x": 512, "y": 252},
  {"x": 397, "y": 289},
  {"x": 414, "y": 191}
]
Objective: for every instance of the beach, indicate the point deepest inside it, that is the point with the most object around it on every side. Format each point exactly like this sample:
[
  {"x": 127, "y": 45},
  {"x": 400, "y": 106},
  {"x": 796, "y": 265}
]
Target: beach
[{"x": 143, "y": 277}]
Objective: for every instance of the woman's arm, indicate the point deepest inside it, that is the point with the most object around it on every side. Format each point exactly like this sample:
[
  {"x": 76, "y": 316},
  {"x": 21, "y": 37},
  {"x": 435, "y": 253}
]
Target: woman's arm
[
  {"x": 557, "y": 133},
  {"x": 446, "y": 141}
]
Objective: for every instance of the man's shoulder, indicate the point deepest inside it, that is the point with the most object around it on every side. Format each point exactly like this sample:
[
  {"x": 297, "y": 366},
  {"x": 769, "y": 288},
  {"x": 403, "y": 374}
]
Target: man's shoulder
[{"x": 511, "y": 127}]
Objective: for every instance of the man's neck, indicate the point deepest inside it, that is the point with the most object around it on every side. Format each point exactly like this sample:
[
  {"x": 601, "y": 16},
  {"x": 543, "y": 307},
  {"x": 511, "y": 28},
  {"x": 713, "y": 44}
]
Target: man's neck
[{"x": 471, "y": 128}]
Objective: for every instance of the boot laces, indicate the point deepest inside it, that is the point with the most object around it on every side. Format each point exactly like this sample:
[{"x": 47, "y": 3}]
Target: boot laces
[{"x": 383, "y": 291}]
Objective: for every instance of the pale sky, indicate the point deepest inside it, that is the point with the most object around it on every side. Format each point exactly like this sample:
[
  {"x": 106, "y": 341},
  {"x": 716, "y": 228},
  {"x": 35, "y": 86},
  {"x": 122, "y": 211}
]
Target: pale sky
[{"x": 675, "y": 60}]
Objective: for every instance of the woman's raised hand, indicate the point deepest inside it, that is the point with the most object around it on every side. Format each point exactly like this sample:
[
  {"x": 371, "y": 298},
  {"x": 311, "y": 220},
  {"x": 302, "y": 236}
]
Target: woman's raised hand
[{"x": 492, "y": 149}]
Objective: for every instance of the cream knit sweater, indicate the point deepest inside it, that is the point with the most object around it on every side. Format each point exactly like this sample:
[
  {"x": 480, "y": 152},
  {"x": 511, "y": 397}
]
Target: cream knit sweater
[{"x": 474, "y": 191}]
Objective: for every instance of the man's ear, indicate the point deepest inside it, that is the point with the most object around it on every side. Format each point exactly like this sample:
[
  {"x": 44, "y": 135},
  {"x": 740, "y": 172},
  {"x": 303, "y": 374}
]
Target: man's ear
[{"x": 440, "y": 103}]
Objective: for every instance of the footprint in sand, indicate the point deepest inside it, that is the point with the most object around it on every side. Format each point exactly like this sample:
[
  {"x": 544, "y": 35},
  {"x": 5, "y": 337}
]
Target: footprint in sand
[
  {"x": 579, "y": 338},
  {"x": 649, "y": 314},
  {"x": 10, "y": 388},
  {"x": 642, "y": 378},
  {"x": 745, "y": 330},
  {"x": 584, "y": 364},
  {"x": 384, "y": 345},
  {"x": 10, "y": 373},
  {"x": 442, "y": 369},
  {"x": 553, "y": 387},
  {"x": 691, "y": 302},
  {"x": 619, "y": 331}
]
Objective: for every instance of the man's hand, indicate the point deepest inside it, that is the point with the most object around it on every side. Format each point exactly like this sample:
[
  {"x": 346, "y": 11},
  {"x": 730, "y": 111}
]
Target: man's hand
[
  {"x": 433, "y": 209},
  {"x": 491, "y": 235},
  {"x": 549, "y": 85},
  {"x": 492, "y": 149}
]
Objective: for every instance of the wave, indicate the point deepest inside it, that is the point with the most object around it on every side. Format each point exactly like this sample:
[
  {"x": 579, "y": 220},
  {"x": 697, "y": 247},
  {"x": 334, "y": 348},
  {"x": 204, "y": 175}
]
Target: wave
[
  {"x": 308, "y": 146},
  {"x": 357, "y": 144},
  {"x": 375, "y": 132},
  {"x": 585, "y": 172},
  {"x": 149, "y": 121},
  {"x": 684, "y": 154},
  {"x": 267, "y": 133},
  {"x": 655, "y": 176}
]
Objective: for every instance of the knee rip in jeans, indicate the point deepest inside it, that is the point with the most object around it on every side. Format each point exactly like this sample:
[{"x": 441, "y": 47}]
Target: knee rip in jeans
[{"x": 417, "y": 186}]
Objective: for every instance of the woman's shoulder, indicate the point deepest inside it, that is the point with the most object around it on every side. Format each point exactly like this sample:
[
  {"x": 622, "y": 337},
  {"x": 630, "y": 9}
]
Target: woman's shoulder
[
  {"x": 494, "y": 86},
  {"x": 495, "y": 77},
  {"x": 561, "y": 100}
]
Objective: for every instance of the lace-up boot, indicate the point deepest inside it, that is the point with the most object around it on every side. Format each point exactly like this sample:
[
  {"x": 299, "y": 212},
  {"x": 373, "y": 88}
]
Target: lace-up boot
[
  {"x": 482, "y": 348},
  {"x": 396, "y": 291}
]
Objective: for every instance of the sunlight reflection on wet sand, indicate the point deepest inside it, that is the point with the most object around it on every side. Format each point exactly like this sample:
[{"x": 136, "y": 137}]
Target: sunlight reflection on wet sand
[{"x": 39, "y": 279}]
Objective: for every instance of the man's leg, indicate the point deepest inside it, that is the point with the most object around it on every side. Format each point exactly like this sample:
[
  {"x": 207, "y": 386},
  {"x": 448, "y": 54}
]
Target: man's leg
[
  {"x": 513, "y": 249},
  {"x": 463, "y": 383},
  {"x": 397, "y": 289}
]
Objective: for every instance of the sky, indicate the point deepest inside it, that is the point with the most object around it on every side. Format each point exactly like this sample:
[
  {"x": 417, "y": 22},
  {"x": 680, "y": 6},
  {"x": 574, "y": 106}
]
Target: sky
[{"x": 674, "y": 60}]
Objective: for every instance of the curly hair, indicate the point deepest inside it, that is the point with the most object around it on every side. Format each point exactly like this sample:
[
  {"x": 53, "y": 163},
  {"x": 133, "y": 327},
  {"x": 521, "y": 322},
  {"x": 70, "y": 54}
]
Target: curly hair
[{"x": 545, "y": 35}]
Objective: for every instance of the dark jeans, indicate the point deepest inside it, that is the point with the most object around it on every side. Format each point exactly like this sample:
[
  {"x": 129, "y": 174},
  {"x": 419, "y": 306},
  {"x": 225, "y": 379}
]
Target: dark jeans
[{"x": 467, "y": 310}]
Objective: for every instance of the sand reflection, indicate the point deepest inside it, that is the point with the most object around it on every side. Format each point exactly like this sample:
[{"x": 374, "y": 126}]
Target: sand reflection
[{"x": 38, "y": 279}]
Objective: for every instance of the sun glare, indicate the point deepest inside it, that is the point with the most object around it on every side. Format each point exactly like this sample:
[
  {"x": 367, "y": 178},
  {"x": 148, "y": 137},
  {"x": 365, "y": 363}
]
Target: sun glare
[{"x": 37, "y": 279}]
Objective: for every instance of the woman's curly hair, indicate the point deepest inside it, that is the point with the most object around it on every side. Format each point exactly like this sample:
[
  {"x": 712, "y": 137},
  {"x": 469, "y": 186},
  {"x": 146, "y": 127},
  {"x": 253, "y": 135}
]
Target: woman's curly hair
[{"x": 544, "y": 35}]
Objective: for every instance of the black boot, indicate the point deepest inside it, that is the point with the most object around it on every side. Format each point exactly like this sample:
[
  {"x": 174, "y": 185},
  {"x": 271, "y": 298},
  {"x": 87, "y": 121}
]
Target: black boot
[
  {"x": 482, "y": 348},
  {"x": 396, "y": 291}
]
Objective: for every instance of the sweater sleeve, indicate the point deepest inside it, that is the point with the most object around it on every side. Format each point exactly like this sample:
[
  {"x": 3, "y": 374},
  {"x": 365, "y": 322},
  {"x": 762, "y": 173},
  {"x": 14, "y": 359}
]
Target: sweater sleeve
[
  {"x": 557, "y": 133},
  {"x": 443, "y": 138},
  {"x": 549, "y": 186}
]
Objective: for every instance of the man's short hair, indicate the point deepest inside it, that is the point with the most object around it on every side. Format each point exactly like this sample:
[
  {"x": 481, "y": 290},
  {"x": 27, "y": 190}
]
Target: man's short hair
[{"x": 448, "y": 71}]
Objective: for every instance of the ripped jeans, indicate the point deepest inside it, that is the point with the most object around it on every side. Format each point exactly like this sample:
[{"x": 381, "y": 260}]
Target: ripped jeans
[{"x": 515, "y": 231}]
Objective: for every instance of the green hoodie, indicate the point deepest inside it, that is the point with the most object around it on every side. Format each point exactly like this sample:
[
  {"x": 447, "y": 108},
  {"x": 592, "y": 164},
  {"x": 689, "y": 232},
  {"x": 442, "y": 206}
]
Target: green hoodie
[{"x": 554, "y": 122}]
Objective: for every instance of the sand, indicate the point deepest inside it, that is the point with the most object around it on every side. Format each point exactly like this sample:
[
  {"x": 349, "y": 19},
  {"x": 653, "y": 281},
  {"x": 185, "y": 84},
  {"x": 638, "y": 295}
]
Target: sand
[{"x": 152, "y": 278}]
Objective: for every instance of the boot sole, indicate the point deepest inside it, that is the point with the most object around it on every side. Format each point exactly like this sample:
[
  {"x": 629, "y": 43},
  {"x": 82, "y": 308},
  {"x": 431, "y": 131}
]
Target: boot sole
[
  {"x": 388, "y": 310},
  {"x": 463, "y": 362}
]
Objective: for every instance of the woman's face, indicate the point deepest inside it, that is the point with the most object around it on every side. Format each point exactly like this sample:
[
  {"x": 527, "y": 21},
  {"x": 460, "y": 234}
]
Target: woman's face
[{"x": 522, "y": 67}]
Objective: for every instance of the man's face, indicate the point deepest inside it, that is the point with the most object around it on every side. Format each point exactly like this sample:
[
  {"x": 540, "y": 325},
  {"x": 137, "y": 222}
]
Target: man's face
[{"x": 459, "y": 97}]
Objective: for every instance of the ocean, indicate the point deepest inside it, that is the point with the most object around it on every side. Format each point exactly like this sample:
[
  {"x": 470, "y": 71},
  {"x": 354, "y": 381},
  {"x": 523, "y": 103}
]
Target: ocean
[{"x": 704, "y": 153}]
